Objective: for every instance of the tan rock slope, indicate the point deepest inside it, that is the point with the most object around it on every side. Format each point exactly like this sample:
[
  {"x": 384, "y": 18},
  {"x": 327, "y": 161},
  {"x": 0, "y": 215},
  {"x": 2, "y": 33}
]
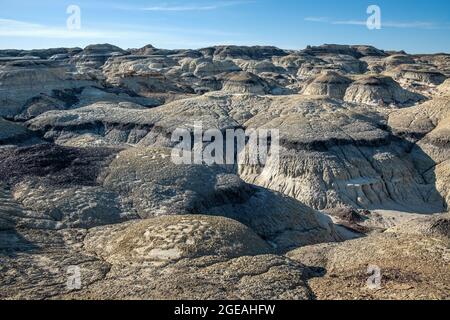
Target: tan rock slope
[{"x": 412, "y": 261}]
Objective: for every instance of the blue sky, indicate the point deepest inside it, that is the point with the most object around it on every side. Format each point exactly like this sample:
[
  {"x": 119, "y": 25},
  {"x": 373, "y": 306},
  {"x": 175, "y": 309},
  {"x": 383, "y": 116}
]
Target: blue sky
[{"x": 412, "y": 25}]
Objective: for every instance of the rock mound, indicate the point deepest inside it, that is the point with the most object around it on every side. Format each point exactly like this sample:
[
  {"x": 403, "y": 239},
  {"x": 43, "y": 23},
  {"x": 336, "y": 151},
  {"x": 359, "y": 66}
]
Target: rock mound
[
  {"x": 95, "y": 56},
  {"x": 35, "y": 263},
  {"x": 173, "y": 238},
  {"x": 354, "y": 51},
  {"x": 396, "y": 60},
  {"x": 330, "y": 84},
  {"x": 245, "y": 82},
  {"x": 242, "y": 52},
  {"x": 345, "y": 63},
  {"x": 208, "y": 67},
  {"x": 374, "y": 90}
]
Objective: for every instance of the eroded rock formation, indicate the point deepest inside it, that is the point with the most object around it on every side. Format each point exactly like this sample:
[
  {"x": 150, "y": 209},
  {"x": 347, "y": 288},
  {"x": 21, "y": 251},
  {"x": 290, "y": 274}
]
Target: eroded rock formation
[{"x": 87, "y": 183}]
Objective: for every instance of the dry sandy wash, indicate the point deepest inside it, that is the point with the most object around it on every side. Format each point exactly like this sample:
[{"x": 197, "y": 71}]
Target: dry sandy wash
[{"x": 92, "y": 207}]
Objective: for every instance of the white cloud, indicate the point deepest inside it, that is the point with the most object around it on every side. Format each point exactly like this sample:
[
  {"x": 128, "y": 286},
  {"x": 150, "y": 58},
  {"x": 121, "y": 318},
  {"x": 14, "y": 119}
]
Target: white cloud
[
  {"x": 181, "y": 8},
  {"x": 170, "y": 37},
  {"x": 14, "y": 28},
  {"x": 391, "y": 24},
  {"x": 387, "y": 24},
  {"x": 15, "y": 23},
  {"x": 316, "y": 19},
  {"x": 186, "y": 7}
]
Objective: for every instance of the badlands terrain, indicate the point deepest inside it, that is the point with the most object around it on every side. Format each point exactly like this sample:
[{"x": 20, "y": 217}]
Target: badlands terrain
[{"x": 87, "y": 182}]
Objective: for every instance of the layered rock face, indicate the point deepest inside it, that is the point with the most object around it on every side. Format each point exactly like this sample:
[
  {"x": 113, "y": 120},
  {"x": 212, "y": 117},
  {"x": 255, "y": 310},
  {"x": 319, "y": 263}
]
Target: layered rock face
[
  {"x": 89, "y": 189},
  {"x": 24, "y": 82},
  {"x": 428, "y": 126}
]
